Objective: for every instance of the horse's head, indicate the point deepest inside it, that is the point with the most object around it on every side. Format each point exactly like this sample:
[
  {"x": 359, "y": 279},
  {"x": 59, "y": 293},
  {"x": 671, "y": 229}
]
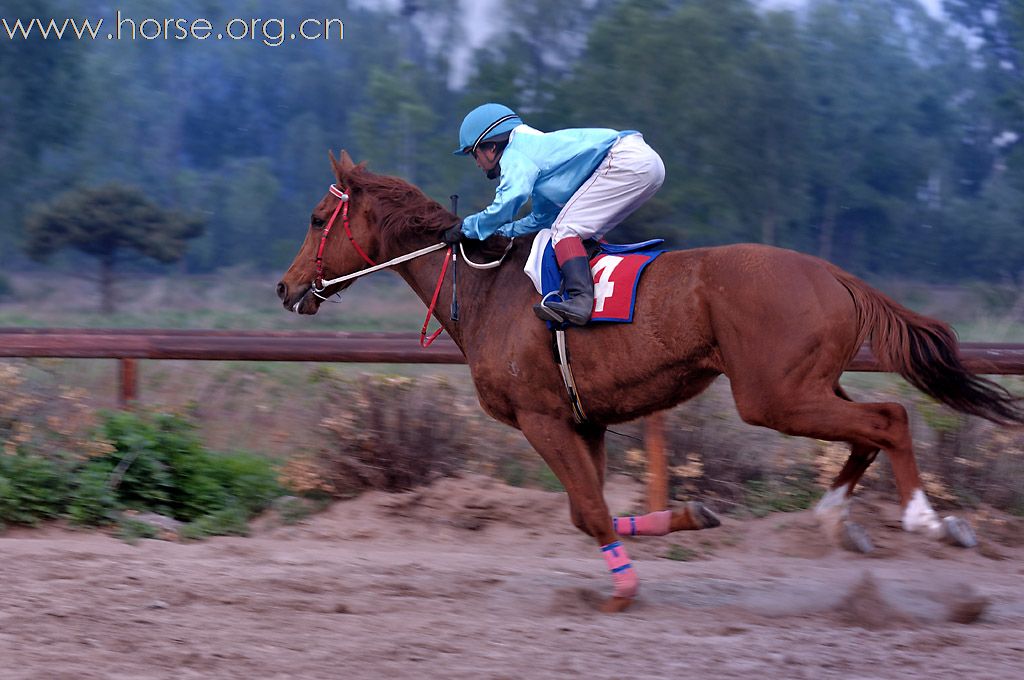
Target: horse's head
[{"x": 341, "y": 240}]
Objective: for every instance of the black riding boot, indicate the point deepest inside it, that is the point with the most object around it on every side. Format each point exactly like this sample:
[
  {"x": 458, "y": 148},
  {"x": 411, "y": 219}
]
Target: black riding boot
[{"x": 579, "y": 295}]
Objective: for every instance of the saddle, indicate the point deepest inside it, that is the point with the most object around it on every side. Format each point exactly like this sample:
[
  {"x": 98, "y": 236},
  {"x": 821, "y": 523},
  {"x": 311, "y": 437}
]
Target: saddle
[{"x": 616, "y": 269}]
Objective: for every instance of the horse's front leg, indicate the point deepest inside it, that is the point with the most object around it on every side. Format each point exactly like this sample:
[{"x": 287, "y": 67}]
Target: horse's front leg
[{"x": 570, "y": 456}]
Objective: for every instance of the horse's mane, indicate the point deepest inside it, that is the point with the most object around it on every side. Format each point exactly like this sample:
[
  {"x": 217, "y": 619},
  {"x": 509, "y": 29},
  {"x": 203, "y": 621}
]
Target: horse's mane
[
  {"x": 404, "y": 212},
  {"x": 401, "y": 209}
]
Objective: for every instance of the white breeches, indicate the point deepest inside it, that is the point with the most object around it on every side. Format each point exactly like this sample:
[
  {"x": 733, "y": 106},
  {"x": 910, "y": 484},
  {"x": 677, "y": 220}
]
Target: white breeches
[{"x": 629, "y": 175}]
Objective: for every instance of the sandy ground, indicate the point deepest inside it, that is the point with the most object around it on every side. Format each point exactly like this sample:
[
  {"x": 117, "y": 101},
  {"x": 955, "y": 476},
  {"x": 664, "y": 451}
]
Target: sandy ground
[{"x": 471, "y": 578}]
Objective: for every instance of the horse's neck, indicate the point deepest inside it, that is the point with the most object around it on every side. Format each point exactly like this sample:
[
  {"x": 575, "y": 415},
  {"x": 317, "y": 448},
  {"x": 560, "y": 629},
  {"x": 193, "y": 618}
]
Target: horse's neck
[{"x": 479, "y": 291}]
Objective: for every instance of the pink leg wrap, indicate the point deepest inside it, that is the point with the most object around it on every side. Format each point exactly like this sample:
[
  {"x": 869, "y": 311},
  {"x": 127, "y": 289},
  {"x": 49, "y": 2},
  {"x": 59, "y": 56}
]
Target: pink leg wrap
[
  {"x": 651, "y": 524},
  {"x": 623, "y": 574}
]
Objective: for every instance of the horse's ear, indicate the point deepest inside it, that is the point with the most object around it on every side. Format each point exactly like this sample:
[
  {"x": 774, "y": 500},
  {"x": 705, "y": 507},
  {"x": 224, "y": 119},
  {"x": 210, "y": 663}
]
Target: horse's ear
[
  {"x": 342, "y": 166},
  {"x": 345, "y": 162}
]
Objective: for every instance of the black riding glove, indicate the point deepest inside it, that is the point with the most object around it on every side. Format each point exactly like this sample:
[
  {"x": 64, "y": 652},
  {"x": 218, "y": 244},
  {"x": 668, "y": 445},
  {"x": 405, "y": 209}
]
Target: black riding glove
[{"x": 453, "y": 234}]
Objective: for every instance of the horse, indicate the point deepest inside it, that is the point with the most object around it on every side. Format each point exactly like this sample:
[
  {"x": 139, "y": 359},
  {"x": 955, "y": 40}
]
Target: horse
[{"x": 780, "y": 325}]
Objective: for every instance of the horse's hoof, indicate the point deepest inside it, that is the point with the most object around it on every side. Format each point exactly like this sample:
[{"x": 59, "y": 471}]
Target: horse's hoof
[
  {"x": 693, "y": 517},
  {"x": 614, "y": 605},
  {"x": 853, "y": 538},
  {"x": 701, "y": 513},
  {"x": 958, "y": 532}
]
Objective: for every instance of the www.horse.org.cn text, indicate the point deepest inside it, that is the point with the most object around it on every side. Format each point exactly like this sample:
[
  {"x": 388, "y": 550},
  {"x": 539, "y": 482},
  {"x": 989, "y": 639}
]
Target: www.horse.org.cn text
[{"x": 272, "y": 32}]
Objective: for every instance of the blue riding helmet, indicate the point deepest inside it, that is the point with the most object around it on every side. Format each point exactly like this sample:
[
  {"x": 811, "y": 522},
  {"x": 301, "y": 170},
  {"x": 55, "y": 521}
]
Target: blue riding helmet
[{"x": 483, "y": 123}]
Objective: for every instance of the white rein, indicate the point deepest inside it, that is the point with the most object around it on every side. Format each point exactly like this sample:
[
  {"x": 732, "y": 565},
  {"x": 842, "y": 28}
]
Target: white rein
[{"x": 405, "y": 258}]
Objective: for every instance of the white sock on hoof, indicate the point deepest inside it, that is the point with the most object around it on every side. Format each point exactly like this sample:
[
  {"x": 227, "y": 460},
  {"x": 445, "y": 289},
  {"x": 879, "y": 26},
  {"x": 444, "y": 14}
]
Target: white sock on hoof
[
  {"x": 919, "y": 516},
  {"x": 834, "y": 505},
  {"x": 833, "y": 509}
]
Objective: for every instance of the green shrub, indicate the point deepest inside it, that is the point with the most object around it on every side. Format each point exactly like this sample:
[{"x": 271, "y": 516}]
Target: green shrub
[
  {"x": 160, "y": 464},
  {"x": 789, "y": 494},
  {"x": 226, "y": 522},
  {"x": 293, "y": 509},
  {"x": 249, "y": 480},
  {"x": 91, "y": 501},
  {"x": 131, "y": 530},
  {"x": 137, "y": 468},
  {"x": 6, "y": 287},
  {"x": 32, "y": 488},
  {"x": 196, "y": 486}
]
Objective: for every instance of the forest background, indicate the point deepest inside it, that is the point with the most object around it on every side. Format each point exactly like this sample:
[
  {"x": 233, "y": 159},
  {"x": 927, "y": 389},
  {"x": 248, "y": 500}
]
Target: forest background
[{"x": 878, "y": 134}]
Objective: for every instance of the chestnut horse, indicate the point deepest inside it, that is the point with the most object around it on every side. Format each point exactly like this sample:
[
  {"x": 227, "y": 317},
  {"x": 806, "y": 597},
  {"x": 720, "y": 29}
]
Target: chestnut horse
[{"x": 782, "y": 326}]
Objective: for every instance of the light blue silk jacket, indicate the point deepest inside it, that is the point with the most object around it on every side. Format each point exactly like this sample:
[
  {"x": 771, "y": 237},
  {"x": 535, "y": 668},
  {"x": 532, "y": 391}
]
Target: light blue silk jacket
[{"x": 547, "y": 167}]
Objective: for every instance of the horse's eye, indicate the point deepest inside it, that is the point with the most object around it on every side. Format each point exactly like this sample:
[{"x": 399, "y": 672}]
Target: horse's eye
[{"x": 316, "y": 223}]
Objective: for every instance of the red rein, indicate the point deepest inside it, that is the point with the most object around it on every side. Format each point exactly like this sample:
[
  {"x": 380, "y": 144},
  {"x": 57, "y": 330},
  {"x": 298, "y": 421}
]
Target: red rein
[
  {"x": 424, "y": 340},
  {"x": 318, "y": 280}
]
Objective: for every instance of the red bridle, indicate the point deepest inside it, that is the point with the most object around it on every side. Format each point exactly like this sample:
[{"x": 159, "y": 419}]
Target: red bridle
[
  {"x": 342, "y": 207},
  {"x": 318, "y": 280}
]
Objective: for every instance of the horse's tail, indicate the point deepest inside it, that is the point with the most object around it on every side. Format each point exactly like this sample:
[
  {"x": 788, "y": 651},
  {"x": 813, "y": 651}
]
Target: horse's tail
[{"x": 925, "y": 352}]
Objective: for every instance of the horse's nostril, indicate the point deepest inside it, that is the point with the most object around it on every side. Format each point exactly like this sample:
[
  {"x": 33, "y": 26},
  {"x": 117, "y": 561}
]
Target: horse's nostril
[{"x": 282, "y": 290}]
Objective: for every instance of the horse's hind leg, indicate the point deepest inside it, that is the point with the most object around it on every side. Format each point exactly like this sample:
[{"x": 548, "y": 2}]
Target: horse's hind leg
[
  {"x": 918, "y": 515},
  {"x": 833, "y": 509},
  {"x": 868, "y": 427},
  {"x": 569, "y": 455}
]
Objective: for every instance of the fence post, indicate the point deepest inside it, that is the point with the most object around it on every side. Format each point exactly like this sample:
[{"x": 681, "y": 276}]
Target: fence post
[
  {"x": 657, "y": 462},
  {"x": 128, "y": 379}
]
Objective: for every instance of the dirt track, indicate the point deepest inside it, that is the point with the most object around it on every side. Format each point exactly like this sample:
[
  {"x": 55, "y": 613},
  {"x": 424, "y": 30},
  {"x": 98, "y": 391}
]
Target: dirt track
[{"x": 466, "y": 580}]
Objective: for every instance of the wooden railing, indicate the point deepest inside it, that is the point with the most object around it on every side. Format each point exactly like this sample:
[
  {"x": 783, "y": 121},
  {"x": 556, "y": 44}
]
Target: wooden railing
[{"x": 130, "y": 346}]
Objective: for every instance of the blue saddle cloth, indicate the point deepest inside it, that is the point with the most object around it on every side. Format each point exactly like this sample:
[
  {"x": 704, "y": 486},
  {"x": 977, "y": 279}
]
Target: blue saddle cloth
[{"x": 551, "y": 275}]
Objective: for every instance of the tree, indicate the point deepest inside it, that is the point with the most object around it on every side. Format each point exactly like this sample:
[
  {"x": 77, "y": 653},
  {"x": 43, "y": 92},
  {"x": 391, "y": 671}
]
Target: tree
[
  {"x": 394, "y": 115},
  {"x": 870, "y": 88},
  {"x": 989, "y": 196},
  {"x": 716, "y": 90},
  {"x": 39, "y": 86},
  {"x": 105, "y": 221}
]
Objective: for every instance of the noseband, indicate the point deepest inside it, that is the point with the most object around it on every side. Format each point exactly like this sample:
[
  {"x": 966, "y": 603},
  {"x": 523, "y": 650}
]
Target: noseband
[{"x": 343, "y": 201}]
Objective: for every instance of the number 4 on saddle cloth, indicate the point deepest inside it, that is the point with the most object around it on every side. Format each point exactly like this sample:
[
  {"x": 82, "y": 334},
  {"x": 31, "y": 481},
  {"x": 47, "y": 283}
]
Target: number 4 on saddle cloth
[{"x": 616, "y": 270}]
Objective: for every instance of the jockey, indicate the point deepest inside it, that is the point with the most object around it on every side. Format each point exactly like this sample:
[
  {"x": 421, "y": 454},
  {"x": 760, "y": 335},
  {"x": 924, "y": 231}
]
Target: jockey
[{"x": 582, "y": 182}]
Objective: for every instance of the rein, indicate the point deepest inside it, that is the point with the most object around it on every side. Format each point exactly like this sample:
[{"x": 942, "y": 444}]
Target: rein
[
  {"x": 424, "y": 340},
  {"x": 319, "y": 285},
  {"x": 376, "y": 268}
]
